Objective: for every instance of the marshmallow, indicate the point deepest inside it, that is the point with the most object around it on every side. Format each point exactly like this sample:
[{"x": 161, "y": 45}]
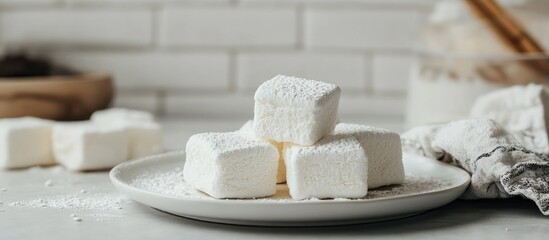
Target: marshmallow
[
  {"x": 25, "y": 142},
  {"x": 384, "y": 152},
  {"x": 290, "y": 109},
  {"x": 89, "y": 146},
  {"x": 522, "y": 110},
  {"x": 144, "y": 139},
  {"x": 121, "y": 114},
  {"x": 247, "y": 129},
  {"x": 335, "y": 167},
  {"x": 231, "y": 165},
  {"x": 145, "y": 135}
]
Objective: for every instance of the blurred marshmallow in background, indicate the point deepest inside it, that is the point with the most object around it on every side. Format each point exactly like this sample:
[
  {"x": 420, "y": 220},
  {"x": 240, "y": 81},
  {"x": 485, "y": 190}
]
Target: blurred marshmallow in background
[
  {"x": 145, "y": 135},
  {"x": 81, "y": 146},
  {"x": 25, "y": 142}
]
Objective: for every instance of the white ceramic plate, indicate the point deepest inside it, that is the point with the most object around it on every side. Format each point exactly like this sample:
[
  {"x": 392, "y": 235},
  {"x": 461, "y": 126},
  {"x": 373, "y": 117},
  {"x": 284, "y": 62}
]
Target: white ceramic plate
[{"x": 416, "y": 195}]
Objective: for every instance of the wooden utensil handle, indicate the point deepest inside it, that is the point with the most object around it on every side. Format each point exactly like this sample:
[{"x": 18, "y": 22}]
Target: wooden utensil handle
[{"x": 510, "y": 32}]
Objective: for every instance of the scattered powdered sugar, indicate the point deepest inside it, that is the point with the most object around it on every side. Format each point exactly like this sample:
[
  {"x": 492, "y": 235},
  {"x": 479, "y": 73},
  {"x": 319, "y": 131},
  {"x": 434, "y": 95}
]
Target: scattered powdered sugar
[
  {"x": 91, "y": 202},
  {"x": 412, "y": 185},
  {"x": 171, "y": 183},
  {"x": 48, "y": 183}
]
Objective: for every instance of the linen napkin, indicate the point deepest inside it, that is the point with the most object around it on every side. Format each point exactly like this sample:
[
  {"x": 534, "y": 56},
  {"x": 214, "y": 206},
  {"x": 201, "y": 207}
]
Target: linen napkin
[
  {"x": 500, "y": 165},
  {"x": 522, "y": 110}
]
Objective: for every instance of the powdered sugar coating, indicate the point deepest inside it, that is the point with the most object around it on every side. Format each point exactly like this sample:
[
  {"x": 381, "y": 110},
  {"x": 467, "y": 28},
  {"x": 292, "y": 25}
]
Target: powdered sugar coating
[
  {"x": 231, "y": 165},
  {"x": 334, "y": 167},
  {"x": 383, "y": 149},
  {"x": 247, "y": 129},
  {"x": 336, "y": 144},
  {"x": 351, "y": 128},
  {"x": 294, "y": 90},
  {"x": 170, "y": 183},
  {"x": 227, "y": 142},
  {"x": 295, "y": 110}
]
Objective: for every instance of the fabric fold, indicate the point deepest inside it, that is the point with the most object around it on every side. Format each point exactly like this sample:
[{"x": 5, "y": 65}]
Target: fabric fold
[{"x": 500, "y": 166}]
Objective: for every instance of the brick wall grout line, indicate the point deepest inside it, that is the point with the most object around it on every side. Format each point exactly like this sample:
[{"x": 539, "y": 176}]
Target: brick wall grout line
[
  {"x": 367, "y": 6},
  {"x": 208, "y": 49},
  {"x": 369, "y": 70},
  {"x": 341, "y": 5},
  {"x": 232, "y": 71},
  {"x": 161, "y": 103}
]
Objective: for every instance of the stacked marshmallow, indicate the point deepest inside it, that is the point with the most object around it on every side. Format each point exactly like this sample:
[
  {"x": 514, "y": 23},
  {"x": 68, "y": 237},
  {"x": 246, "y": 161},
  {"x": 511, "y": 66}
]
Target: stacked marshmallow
[
  {"x": 111, "y": 137},
  {"x": 294, "y": 138},
  {"x": 247, "y": 130}
]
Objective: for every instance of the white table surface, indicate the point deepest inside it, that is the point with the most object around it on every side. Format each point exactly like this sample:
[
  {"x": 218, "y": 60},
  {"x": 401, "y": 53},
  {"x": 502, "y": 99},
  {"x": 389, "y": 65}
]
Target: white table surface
[{"x": 487, "y": 219}]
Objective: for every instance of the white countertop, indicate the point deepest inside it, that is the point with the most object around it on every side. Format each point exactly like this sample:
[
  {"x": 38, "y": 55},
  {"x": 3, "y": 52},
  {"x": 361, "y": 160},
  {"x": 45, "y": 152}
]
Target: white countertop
[{"x": 124, "y": 219}]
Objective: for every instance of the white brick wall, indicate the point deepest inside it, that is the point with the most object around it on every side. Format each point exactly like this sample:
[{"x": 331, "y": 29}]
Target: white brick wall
[
  {"x": 209, "y": 105},
  {"x": 228, "y": 27},
  {"x": 391, "y": 72},
  {"x": 346, "y": 70},
  {"x": 205, "y": 58},
  {"x": 54, "y": 27},
  {"x": 360, "y": 28},
  {"x": 155, "y": 70},
  {"x": 146, "y": 101}
]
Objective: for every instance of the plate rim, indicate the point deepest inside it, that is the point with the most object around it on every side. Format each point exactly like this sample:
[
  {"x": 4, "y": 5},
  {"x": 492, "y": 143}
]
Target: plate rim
[{"x": 113, "y": 175}]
